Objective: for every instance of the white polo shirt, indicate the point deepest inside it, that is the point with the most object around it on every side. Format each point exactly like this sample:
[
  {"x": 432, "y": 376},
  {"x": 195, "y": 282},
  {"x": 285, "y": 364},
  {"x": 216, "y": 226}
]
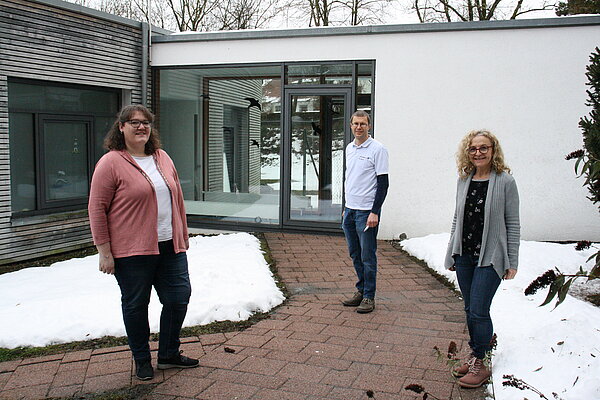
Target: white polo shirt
[{"x": 363, "y": 164}]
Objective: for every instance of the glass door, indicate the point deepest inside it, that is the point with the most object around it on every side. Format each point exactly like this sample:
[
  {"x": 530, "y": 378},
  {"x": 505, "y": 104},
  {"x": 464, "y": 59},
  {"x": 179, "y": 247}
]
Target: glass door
[{"x": 316, "y": 125}]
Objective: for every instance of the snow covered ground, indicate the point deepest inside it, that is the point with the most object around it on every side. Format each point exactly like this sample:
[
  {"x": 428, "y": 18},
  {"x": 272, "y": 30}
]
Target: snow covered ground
[
  {"x": 556, "y": 350},
  {"x": 72, "y": 300}
]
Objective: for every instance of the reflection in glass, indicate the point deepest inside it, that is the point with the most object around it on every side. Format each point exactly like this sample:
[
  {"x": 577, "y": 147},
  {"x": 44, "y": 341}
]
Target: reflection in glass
[
  {"x": 317, "y": 160},
  {"x": 221, "y": 126},
  {"x": 22, "y": 162},
  {"x": 65, "y": 158},
  {"x": 315, "y": 74}
]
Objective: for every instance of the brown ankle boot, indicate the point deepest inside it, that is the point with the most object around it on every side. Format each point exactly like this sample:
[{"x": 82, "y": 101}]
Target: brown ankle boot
[
  {"x": 461, "y": 370},
  {"x": 478, "y": 374}
]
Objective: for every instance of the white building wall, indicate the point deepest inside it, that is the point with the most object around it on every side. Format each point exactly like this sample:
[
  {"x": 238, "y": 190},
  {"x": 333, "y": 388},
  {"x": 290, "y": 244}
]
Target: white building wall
[{"x": 525, "y": 85}]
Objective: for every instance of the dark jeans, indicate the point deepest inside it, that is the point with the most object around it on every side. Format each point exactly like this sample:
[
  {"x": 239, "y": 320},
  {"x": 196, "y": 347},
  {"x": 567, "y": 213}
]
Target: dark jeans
[
  {"x": 362, "y": 247},
  {"x": 478, "y": 286},
  {"x": 168, "y": 273}
]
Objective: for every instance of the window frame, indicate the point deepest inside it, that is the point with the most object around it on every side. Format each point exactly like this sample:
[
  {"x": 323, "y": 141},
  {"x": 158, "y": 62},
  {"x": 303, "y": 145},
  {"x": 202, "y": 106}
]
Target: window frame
[{"x": 39, "y": 115}]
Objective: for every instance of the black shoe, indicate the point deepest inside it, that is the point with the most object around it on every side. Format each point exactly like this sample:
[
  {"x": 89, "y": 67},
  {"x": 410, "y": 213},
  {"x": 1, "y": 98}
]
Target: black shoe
[
  {"x": 177, "y": 361},
  {"x": 144, "y": 370}
]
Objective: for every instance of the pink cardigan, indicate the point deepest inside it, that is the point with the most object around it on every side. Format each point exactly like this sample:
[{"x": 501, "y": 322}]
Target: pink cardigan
[{"x": 123, "y": 207}]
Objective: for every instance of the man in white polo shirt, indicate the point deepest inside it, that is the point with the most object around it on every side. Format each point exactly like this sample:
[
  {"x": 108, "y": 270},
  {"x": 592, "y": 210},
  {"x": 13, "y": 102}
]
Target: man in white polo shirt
[{"x": 366, "y": 186}]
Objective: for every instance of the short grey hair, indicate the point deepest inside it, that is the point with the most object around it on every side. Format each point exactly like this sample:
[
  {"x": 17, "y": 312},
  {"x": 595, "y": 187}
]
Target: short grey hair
[{"x": 361, "y": 114}]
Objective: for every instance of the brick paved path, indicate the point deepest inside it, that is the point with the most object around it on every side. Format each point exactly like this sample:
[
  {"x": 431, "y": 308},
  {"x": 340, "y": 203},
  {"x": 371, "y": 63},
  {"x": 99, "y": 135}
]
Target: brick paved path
[{"x": 311, "y": 348}]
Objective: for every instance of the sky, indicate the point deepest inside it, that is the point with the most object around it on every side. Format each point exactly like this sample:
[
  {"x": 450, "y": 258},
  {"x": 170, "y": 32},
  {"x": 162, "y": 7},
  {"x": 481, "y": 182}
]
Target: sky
[{"x": 555, "y": 350}]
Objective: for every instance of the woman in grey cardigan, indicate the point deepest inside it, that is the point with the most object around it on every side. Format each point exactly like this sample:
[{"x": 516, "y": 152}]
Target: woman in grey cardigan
[{"x": 484, "y": 242}]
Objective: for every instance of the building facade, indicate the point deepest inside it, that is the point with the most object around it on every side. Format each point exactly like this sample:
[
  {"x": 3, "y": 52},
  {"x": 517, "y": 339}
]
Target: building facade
[
  {"x": 257, "y": 121},
  {"x": 426, "y": 86},
  {"x": 65, "y": 71}
]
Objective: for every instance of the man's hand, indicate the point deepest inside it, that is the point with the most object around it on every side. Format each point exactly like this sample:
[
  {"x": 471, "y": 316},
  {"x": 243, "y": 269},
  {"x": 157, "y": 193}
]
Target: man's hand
[{"x": 372, "y": 220}]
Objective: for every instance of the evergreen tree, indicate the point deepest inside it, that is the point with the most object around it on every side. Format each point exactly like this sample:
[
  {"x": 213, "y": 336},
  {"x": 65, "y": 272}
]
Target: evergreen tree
[{"x": 573, "y": 7}]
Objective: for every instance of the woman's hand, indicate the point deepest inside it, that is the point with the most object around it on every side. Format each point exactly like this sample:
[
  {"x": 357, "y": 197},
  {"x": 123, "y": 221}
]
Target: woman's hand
[
  {"x": 510, "y": 273},
  {"x": 107, "y": 262}
]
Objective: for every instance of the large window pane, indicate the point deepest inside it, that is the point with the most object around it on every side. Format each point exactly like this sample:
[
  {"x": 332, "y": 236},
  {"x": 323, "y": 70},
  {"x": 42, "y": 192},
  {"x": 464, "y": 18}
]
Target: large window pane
[
  {"x": 221, "y": 126},
  {"x": 315, "y": 74},
  {"x": 22, "y": 161},
  {"x": 317, "y": 157},
  {"x": 65, "y": 160}
]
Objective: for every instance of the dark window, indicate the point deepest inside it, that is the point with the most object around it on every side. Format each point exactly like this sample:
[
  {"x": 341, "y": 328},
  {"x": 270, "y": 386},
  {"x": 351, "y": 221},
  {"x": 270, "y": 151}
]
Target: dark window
[{"x": 55, "y": 136}]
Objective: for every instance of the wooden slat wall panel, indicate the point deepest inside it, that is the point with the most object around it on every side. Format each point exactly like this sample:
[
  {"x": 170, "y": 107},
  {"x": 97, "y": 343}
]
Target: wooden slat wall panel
[{"x": 43, "y": 42}]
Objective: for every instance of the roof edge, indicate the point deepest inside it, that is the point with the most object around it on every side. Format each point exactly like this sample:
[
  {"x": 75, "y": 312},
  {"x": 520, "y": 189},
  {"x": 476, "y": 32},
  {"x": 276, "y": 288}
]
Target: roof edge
[
  {"x": 99, "y": 14},
  {"x": 558, "y": 22}
]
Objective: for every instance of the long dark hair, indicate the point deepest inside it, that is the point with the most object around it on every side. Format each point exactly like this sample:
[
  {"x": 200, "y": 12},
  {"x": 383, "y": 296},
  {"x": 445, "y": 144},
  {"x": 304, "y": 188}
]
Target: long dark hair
[{"x": 114, "y": 139}]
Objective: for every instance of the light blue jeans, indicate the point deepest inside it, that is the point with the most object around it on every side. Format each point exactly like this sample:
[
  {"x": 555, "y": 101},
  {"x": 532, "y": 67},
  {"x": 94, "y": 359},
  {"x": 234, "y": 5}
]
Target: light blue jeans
[
  {"x": 478, "y": 286},
  {"x": 362, "y": 247}
]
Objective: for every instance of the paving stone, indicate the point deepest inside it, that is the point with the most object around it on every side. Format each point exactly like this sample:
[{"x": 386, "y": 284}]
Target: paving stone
[
  {"x": 26, "y": 392},
  {"x": 324, "y": 350},
  {"x": 313, "y": 390},
  {"x": 304, "y": 372},
  {"x": 228, "y": 390},
  {"x": 103, "y": 383},
  {"x": 181, "y": 385},
  {"x": 32, "y": 375},
  {"x": 71, "y": 366},
  {"x": 44, "y": 359},
  {"x": 345, "y": 393},
  {"x": 269, "y": 382},
  {"x": 286, "y": 344},
  {"x": 213, "y": 338},
  {"x": 221, "y": 359},
  {"x": 110, "y": 366},
  {"x": 64, "y": 391},
  {"x": 9, "y": 366},
  {"x": 69, "y": 378},
  {"x": 4, "y": 377},
  {"x": 259, "y": 365},
  {"x": 268, "y": 394}
]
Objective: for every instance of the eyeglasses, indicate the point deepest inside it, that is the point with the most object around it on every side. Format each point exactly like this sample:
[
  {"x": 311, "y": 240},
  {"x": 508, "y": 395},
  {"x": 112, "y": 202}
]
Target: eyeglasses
[
  {"x": 136, "y": 124},
  {"x": 482, "y": 149},
  {"x": 361, "y": 124}
]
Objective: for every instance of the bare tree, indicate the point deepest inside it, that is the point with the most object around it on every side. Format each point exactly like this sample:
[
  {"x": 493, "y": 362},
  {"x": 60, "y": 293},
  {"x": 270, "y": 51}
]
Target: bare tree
[
  {"x": 474, "y": 10},
  {"x": 191, "y": 15},
  {"x": 244, "y": 14},
  {"x": 364, "y": 11}
]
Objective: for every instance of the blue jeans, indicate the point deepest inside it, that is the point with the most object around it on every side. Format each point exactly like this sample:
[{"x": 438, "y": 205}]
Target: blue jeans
[
  {"x": 362, "y": 247},
  {"x": 478, "y": 286},
  {"x": 168, "y": 273}
]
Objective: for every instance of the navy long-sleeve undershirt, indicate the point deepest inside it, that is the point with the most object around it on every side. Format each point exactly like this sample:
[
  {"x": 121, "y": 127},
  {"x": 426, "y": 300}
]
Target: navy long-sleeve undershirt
[{"x": 383, "y": 184}]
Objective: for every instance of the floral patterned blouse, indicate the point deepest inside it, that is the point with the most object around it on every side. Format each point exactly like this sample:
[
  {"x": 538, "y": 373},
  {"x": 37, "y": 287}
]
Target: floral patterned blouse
[{"x": 474, "y": 217}]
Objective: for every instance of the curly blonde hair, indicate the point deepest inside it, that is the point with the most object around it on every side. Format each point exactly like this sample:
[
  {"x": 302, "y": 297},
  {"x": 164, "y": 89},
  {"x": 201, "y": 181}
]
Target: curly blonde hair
[{"x": 463, "y": 162}]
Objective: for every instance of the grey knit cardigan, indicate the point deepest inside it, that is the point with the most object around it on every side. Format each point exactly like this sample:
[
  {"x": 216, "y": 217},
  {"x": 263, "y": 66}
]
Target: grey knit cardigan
[{"x": 501, "y": 226}]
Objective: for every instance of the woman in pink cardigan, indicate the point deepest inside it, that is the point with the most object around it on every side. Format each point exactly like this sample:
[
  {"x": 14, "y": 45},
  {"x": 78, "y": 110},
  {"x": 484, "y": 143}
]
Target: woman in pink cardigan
[{"x": 138, "y": 224}]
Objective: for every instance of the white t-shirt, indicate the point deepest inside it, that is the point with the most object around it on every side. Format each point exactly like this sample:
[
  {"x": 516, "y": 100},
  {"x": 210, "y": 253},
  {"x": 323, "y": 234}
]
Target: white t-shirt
[
  {"x": 163, "y": 197},
  {"x": 363, "y": 164}
]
